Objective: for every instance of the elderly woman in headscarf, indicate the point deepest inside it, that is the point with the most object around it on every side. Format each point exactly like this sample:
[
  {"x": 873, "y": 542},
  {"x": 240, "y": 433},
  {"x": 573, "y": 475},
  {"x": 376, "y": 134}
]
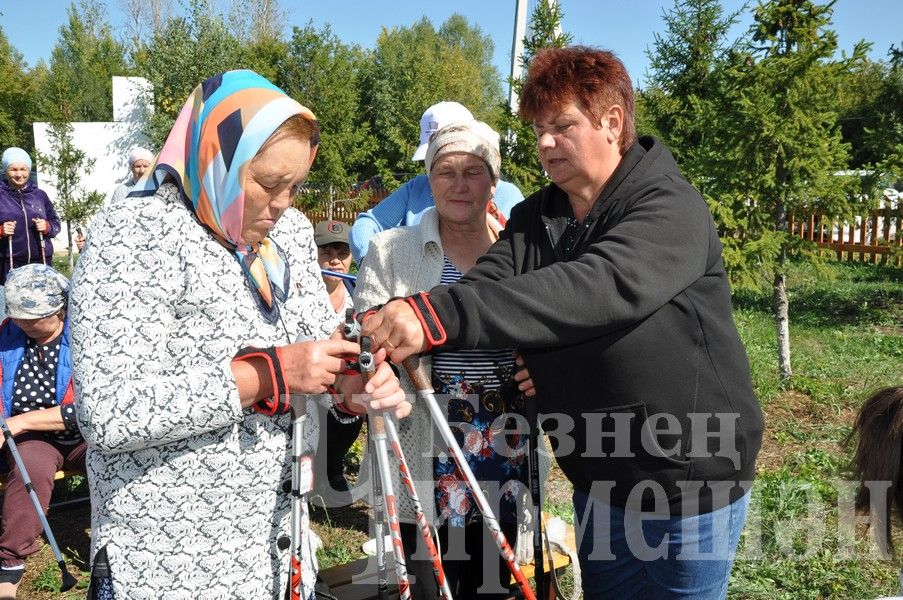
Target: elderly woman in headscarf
[
  {"x": 37, "y": 403},
  {"x": 27, "y": 216},
  {"x": 462, "y": 163},
  {"x": 186, "y": 308},
  {"x": 140, "y": 160}
]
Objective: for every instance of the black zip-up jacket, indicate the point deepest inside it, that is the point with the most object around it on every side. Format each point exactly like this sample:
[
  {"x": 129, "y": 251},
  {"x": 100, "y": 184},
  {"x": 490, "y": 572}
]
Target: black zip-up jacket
[{"x": 633, "y": 322}]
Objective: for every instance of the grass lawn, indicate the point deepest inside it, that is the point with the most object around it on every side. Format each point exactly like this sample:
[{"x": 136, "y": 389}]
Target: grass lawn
[{"x": 847, "y": 340}]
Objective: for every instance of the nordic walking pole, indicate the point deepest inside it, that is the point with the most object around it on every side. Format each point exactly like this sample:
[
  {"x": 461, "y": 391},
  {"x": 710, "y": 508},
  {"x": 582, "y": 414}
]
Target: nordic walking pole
[
  {"x": 68, "y": 581},
  {"x": 302, "y": 476},
  {"x": 351, "y": 332},
  {"x": 377, "y": 427},
  {"x": 379, "y": 518},
  {"x": 536, "y": 498},
  {"x": 426, "y": 394},
  {"x": 41, "y": 242},
  {"x": 422, "y": 524},
  {"x": 302, "y": 482},
  {"x": 9, "y": 245}
]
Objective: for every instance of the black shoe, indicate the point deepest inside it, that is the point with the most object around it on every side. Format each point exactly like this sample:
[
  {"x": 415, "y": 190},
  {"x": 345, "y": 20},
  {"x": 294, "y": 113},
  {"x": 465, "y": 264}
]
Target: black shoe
[{"x": 12, "y": 576}]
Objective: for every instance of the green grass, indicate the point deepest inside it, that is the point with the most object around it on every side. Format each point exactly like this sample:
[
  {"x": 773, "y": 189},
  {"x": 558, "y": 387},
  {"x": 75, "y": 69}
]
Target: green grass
[{"x": 846, "y": 341}]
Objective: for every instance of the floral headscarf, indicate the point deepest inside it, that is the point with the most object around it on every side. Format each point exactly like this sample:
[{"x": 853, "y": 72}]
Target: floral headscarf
[{"x": 219, "y": 131}]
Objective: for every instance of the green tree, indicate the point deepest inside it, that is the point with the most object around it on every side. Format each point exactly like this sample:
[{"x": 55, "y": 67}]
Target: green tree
[
  {"x": 64, "y": 165},
  {"x": 18, "y": 93},
  {"x": 324, "y": 74},
  {"x": 142, "y": 19},
  {"x": 520, "y": 161},
  {"x": 857, "y": 96},
  {"x": 413, "y": 68},
  {"x": 685, "y": 90},
  {"x": 883, "y": 134},
  {"x": 478, "y": 49},
  {"x": 781, "y": 117},
  {"x": 181, "y": 54},
  {"x": 82, "y": 64}
]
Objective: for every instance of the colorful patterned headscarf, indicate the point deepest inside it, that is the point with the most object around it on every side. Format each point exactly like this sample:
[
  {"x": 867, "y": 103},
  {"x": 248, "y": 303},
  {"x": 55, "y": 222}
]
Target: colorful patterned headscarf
[{"x": 221, "y": 128}]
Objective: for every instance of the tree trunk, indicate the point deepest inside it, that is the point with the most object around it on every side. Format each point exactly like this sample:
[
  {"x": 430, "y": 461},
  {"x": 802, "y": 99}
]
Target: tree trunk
[
  {"x": 69, "y": 245},
  {"x": 781, "y": 316},
  {"x": 782, "y": 323}
]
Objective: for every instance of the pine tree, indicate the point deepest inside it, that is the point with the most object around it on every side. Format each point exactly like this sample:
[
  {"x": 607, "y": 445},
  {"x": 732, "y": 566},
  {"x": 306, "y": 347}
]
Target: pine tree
[
  {"x": 686, "y": 84},
  {"x": 781, "y": 118}
]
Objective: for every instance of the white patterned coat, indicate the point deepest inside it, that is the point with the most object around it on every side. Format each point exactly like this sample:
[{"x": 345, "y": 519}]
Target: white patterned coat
[{"x": 186, "y": 486}]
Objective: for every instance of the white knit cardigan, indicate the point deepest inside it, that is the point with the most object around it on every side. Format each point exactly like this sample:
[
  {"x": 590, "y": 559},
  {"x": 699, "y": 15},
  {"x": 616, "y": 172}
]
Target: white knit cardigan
[
  {"x": 400, "y": 262},
  {"x": 186, "y": 485}
]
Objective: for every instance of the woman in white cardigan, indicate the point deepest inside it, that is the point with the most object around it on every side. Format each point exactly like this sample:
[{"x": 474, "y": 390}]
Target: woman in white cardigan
[{"x": 481, "y": 388}]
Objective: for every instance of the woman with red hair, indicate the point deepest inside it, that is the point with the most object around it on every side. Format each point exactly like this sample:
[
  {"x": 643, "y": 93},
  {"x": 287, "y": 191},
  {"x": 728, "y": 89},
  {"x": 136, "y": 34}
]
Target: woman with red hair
[{"x": 610, "y": 283}]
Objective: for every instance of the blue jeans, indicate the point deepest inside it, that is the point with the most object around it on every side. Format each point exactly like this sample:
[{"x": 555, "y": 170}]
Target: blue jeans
[{"x": 626, "y": 554}]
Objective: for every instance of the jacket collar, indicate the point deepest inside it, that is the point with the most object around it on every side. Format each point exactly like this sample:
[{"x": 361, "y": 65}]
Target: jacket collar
[
  {"x": 429, "y": 228},
  {"x": 29, "y": 186}
]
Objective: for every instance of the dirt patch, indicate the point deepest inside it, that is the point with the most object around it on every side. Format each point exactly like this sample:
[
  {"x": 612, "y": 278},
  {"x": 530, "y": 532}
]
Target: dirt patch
[
  {"x": 890, "y": 329},
  {"x": 795, "y": 423},
  {"x": 71, "y": 528}
]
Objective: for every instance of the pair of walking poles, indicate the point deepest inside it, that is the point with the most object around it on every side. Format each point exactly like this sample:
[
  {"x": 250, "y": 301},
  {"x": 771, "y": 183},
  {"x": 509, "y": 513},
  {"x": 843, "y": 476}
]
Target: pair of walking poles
[
  {"x": 384, "y": 432},
  {"x": 9, "y": 247}
]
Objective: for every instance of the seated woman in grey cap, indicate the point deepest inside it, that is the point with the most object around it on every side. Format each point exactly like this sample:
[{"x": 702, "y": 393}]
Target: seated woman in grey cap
[{"x": 37, "y": 400}]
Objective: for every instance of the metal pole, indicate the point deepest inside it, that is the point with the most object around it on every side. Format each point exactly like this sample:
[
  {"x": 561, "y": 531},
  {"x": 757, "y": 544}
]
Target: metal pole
[
  {"x": 517, "y": 49},
  {"x": 301, "y": 481},
  {"x": 68, "y": 581},
  {"x": 377, "y": 429},
  {"x": 422, "y": 524},
  {"x": 426, "y": 395}
]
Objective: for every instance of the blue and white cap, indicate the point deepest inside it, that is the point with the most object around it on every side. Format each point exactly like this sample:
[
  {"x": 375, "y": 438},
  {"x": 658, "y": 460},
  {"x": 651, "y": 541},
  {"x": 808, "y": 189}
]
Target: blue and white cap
[{"x": 35, "y": 291}]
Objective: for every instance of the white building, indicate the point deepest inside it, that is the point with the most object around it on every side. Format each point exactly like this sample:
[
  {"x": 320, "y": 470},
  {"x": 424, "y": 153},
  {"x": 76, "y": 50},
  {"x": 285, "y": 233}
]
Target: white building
[{"x": 108, "y": 144}]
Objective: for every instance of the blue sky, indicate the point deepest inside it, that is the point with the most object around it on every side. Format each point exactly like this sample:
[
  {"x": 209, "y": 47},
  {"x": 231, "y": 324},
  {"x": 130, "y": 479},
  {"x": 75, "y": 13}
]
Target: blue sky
[{"x": 626, "y": 27}]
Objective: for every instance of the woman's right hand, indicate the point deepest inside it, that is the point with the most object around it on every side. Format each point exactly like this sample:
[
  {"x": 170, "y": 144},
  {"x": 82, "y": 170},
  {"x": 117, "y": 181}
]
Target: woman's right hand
[
  {"x": 312, "y": 366},
  {"x": 9, "y": 227}
]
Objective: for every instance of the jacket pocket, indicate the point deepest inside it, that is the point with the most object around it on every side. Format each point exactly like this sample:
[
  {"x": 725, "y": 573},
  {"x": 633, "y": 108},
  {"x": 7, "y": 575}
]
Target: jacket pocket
[{"x": 621, "y": 446}]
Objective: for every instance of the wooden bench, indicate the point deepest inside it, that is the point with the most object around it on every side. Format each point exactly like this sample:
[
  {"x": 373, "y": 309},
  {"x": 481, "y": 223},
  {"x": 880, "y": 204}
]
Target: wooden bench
[
  {"x": 357, "y": 580},
  {"x": 59, "y": 475},
  {"x": 56, "y": 477},
  {"x": 557, "y": 562}
]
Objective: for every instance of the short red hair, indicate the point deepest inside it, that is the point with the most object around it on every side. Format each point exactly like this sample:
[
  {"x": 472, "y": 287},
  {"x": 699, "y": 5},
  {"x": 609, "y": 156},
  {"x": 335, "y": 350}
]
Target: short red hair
[{"x": 594, "y": 79}]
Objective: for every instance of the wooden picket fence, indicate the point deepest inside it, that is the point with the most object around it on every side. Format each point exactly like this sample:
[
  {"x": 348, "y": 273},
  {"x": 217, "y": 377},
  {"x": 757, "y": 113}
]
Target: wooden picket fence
[
  {"x": 874, "y": 237},
  {"x": 341, "y": 211}
]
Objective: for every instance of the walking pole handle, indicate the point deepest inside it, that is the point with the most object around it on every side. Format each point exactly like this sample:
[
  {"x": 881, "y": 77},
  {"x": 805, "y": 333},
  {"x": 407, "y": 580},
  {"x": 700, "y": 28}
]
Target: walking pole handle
[
  {"x": 417, "y": 372},
  {"x": 41, "y": 243},
  {"x": 365, "y": 360}
]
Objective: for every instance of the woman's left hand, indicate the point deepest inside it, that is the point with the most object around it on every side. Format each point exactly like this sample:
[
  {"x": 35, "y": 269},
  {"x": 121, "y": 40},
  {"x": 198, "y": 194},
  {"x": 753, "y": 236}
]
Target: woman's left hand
[
  {"x": 381, "y": 393},
  {"x": 522, "y": 377},
  {"x": 396, "y": 328},
  {"x": 40, "y": 225}
]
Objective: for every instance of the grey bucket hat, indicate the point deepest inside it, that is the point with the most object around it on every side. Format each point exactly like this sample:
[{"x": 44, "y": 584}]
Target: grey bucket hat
[{"x": 35, "y": 291}]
